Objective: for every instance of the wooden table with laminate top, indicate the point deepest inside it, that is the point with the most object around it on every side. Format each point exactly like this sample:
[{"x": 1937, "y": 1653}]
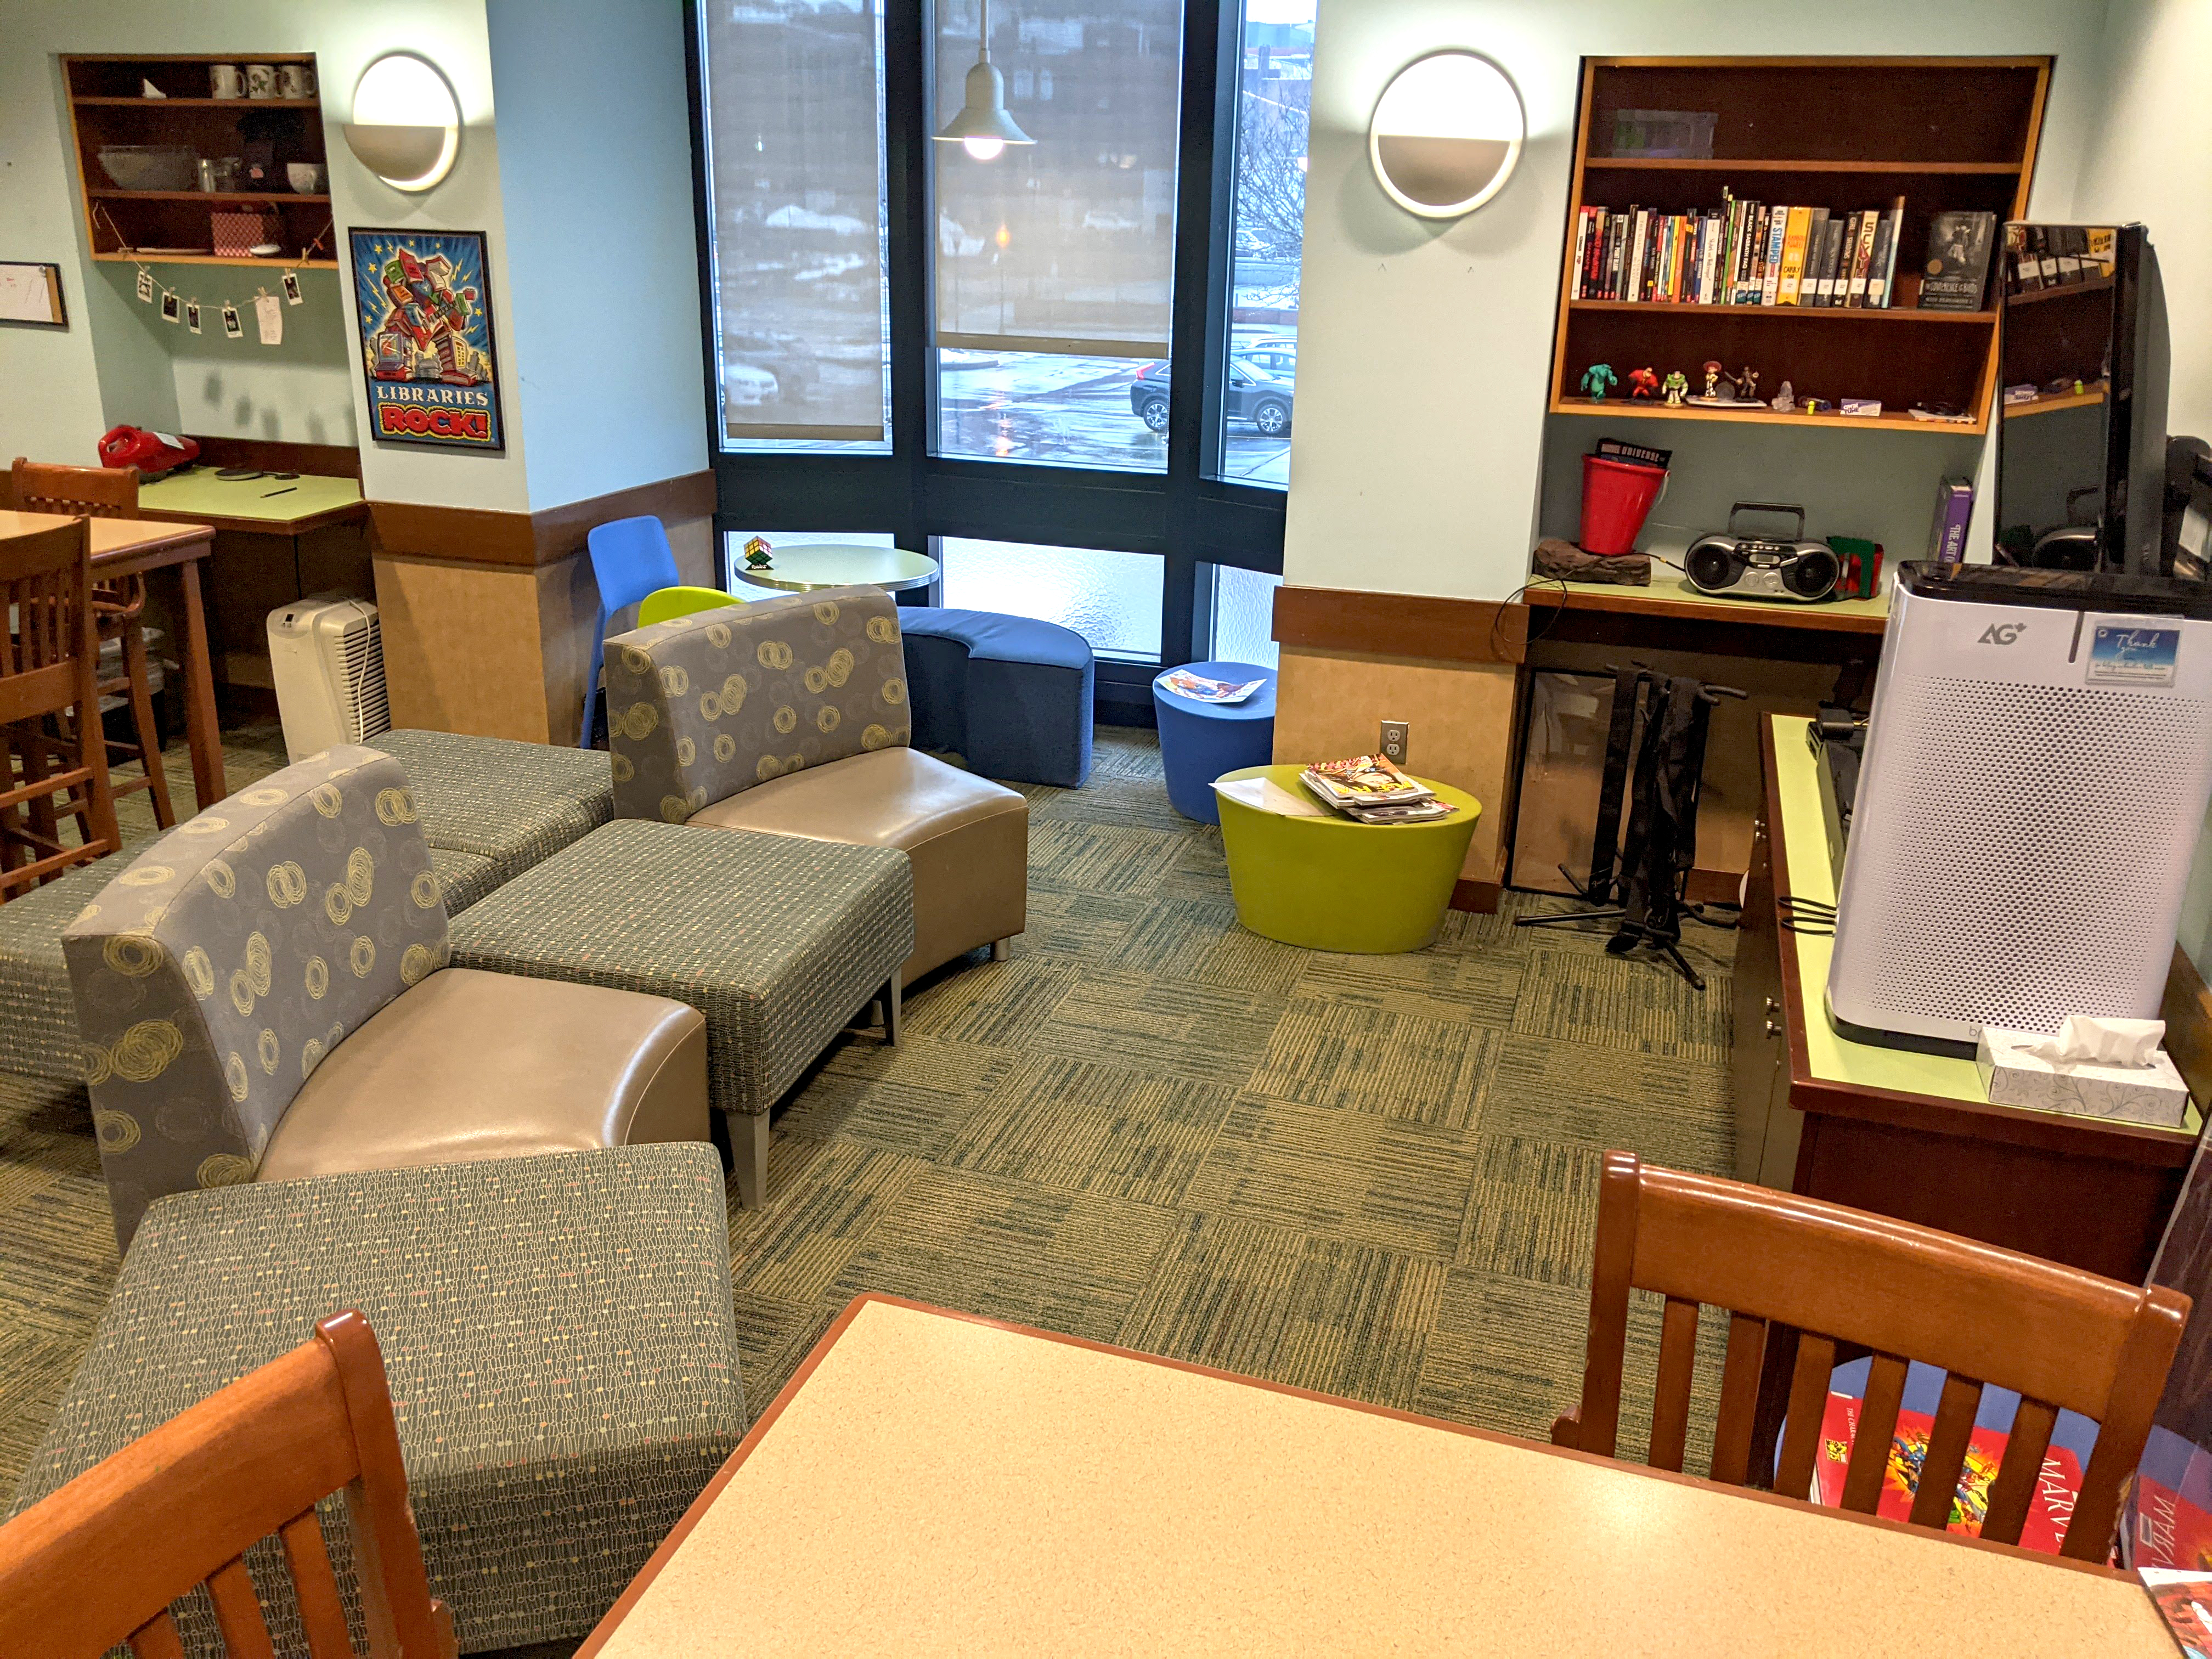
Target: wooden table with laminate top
[
  {"x": 932, "y": 1483},
  {"x": 127, "y": 547}
]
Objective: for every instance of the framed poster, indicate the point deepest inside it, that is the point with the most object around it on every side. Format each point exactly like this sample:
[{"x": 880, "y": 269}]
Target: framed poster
[
  {"x": 31, "y": 294},
  {"x": 426, "y": 352}
]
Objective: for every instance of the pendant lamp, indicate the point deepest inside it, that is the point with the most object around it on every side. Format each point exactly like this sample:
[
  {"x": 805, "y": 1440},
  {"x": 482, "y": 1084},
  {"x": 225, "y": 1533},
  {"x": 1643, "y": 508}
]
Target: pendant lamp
[{"x": 983, "y": 128}]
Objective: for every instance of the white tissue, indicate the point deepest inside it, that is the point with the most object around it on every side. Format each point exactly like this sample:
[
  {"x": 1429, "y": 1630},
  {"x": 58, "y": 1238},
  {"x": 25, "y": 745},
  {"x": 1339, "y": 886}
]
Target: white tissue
[{"x": 2086, "y": 1039}]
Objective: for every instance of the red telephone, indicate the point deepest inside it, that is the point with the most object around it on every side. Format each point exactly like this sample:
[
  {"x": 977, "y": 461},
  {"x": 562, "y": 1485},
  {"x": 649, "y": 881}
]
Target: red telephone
[{"x": 152, "y": 453}]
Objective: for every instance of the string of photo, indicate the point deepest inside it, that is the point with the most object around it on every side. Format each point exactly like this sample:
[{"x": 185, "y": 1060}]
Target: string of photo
[
  {"x": 1754, "y": 254},
  {"x": 176, "y": 306}
]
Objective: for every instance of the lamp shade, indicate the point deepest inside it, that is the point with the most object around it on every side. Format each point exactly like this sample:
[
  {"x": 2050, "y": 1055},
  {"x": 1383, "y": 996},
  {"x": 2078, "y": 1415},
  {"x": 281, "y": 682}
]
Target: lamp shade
[
  {"x": 1445, "y": 134},
  {"x": 983, "y": 115},
  {"x": 407, "y": 125}
]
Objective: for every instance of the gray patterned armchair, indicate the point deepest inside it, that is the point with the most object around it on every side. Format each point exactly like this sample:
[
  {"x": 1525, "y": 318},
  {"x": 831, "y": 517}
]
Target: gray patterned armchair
[
  {"x": 790, "y": 716},
  {"x": 264, "y": 994}
]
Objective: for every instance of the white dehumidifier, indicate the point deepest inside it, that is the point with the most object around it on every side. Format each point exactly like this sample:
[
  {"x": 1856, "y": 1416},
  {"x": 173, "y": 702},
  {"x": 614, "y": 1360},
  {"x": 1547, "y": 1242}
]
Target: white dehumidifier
[
  {"x": 327, "y": 655},
  {"x": 2038, "y": 760}
]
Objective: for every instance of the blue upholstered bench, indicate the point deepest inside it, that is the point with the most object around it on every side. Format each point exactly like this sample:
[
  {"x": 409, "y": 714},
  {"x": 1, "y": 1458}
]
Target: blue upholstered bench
[{"x": 1011, "y": 696}]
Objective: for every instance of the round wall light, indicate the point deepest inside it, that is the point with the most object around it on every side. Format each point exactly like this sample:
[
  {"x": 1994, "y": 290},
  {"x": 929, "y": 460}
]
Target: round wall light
[
  {"x": 1445, "y": 134},
  {"x": 407, "y": 125}
]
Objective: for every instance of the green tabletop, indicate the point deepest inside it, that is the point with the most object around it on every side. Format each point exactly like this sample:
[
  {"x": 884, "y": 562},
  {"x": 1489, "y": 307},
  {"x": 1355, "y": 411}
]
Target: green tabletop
[
  {"x": 277, "y": 502},
  {"x": 1803, "y": 842},
  {"x": 802, "y": 568}
]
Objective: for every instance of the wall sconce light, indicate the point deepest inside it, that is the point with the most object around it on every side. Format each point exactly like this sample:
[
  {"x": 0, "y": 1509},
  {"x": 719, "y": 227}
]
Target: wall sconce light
[
  {"x": 983, "y": 128},
  {"x": 407, "y": 125},
  {"x": 1445, "y": 134}
]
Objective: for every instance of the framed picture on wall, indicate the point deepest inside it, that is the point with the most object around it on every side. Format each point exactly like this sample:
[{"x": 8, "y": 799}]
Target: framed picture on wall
[{"x": 427, "y": 357}]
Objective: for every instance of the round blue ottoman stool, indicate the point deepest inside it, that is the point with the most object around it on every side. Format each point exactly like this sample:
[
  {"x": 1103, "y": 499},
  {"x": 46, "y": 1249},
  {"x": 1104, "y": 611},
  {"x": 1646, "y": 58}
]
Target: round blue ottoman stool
[{"x": 1200, "y": 741}]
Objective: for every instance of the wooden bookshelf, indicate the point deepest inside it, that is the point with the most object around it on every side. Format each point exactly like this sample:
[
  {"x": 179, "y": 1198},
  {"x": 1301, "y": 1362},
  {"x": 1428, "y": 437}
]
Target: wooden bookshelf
[
  {"x": 1842, "y": 133},
  {"x": 107, "y": 107}
]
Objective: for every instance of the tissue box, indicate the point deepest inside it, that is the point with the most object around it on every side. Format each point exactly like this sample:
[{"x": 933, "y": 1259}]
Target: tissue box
[{"x": 2152, "y": 1094}]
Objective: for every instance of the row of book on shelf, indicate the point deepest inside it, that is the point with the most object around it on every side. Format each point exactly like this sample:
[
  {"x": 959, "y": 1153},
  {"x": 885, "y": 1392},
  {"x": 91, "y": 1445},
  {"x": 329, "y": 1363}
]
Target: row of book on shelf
[
  {"x": 2056, "y": 256},
  {"x": 1755, "y": 253}
]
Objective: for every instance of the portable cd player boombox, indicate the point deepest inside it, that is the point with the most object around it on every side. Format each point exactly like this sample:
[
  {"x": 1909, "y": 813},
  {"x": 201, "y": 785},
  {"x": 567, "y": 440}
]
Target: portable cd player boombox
[{"x": 1737, "y": 567}]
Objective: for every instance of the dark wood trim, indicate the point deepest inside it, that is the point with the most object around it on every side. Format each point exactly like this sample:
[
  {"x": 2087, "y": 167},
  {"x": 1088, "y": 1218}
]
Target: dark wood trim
[
  {"x": 2187, "y": 1010},
  {"x": 1408, "y": 625},
  {"x": 472, "y": 535},
  {"x": 1480, "y": 898},
  {"x": 322, "y": 460},
  {"x": 629, "y": 1599}
]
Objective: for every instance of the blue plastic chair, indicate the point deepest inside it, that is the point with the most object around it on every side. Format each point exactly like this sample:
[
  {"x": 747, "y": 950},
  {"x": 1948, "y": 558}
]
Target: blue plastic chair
[{"x": 630, "y": 558}]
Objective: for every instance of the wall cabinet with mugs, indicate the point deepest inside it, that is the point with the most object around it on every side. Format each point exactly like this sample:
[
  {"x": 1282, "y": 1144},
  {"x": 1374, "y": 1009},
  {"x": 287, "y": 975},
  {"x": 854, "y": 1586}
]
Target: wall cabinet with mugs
[{"x": 203, "y": 159}]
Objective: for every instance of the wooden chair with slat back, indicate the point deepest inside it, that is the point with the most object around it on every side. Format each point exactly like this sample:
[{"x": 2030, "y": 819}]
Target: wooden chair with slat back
[
  {"x": 118, "y": 609},
  {"x": 98, "y": 1562},
  {"x": 1786, "y": 1268},
  {"x": 46, "y": 657}
]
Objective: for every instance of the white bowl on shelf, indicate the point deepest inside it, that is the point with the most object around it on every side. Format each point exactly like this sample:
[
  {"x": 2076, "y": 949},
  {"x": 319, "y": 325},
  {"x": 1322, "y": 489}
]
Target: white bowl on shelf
[
  {"x": 306, "y": 178},
  {"x": 150, "y": 167}
]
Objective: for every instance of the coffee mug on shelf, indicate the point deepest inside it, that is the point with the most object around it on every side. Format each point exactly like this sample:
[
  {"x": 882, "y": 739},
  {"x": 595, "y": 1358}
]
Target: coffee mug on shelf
[
  {"x": 226, "y": 80},
  {"x": 260, "y": 79},
  {"x": 307, "y": 177},
  {"x": 296, "y": 80}
]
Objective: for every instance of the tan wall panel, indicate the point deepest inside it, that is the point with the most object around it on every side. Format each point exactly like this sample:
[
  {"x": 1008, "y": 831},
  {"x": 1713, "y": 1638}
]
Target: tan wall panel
[
  {"x": 462, "y": 649},
  {"x": 567, "y": 606},
  {"x": 1462, "y": 716}
]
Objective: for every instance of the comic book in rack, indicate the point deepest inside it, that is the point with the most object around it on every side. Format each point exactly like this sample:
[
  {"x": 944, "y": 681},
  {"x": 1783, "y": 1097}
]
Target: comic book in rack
[{"x": 2058, "y": 1488}]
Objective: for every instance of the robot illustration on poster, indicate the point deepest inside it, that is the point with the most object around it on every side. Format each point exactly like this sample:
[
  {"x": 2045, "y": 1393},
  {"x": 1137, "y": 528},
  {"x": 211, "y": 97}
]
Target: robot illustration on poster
[{"x": 425, "y": 316}]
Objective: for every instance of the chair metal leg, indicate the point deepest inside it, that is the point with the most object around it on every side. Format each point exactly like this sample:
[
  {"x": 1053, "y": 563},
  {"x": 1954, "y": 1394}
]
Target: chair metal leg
[
  {"x": 1001, "y": 949},
  {"x": 890, "y": 1007},
  {"x": 748, "y": 1139}
]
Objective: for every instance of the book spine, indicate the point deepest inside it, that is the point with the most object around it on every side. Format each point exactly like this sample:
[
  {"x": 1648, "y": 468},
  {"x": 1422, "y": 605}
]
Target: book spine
[
  {"x": 1685, "y": 234},
  {"x": 1646, "y": 280},
  {"x": 1663, "y": 269},
  {"x": 1778, "y": 231},
  {"x": 1880, "y": 281},
  {"x": 1816, "y": 239},
  {"x": 1877, "y": 287},
  {"x": 1613, "y": 236},
  {"x": 1840, "y": 233},
  {"x": 1715, "y": 233},
  {"x": 1862, "y": 256},
  {"x": 1582, "y": 252},
  {"x": 1792, "y": 257},
  {"x": 1747, "y": 265},
  {"x": 1632, "y": 271}
]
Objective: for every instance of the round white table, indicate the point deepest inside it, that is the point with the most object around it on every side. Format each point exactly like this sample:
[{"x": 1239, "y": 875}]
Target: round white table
[{"x": 801, "y": 569}]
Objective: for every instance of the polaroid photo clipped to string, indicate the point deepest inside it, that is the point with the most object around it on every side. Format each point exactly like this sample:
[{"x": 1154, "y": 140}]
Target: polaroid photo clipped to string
[
  {"x": 231, "y": 326},
  {"x": 192, "y": 315},
  {"x": 292, "y": 294},
  {"x": 172, "y": 308},
  {"x": 145, "y": 287}
]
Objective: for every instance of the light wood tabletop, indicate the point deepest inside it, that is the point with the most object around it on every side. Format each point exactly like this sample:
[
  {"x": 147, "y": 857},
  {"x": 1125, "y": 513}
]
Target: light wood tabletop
[
  {"x": 1671, "y": 595},
  {"x": 931, "y": 1483},
  {"x": 125, "y": 547},
  {"x": 805, "y": 566}
]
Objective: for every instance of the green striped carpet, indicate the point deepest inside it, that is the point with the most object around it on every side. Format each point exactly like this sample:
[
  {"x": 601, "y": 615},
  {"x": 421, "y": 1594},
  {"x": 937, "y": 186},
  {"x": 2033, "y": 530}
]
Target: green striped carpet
[{"x": 1374, "y": 1176}]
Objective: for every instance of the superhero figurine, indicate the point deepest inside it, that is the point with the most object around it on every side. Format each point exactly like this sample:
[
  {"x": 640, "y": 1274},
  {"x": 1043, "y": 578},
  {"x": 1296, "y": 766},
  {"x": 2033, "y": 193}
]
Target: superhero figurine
[{"x": 1642, "y": 383}]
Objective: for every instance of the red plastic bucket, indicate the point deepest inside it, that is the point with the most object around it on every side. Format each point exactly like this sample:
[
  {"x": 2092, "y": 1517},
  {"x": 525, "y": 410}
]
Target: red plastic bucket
[{"x": 1616, "y": 497}]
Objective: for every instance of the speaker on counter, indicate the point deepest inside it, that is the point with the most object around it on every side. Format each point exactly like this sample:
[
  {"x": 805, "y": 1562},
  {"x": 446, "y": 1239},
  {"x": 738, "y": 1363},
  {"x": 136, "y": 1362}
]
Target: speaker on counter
[{"x": 1745, "y": 567}]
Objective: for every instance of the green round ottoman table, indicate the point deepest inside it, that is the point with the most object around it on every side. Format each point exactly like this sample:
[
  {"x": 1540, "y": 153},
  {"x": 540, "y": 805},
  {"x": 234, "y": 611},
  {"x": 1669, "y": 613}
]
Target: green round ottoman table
[{"x": 1328, "y": 884}]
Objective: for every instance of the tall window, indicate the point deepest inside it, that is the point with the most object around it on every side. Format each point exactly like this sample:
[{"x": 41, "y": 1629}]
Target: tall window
[
  {"x": 1054, "y": 260},
  {"x": 1274, "y": 100},
  {"x": 795, "y": 130}
]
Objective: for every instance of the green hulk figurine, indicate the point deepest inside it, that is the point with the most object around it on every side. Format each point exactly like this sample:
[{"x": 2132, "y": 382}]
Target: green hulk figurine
[{"x": 1598, "y": 379}]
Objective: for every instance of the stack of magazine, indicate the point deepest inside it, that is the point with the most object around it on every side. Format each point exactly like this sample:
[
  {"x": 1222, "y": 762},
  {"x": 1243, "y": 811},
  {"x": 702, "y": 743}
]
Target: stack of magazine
[{"x": 1370, "y": 789}]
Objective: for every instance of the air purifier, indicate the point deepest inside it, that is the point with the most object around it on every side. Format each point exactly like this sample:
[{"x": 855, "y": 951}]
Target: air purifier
[
  {"x": 326, "y": 653},
  {"x": 2038, "y": 760}
]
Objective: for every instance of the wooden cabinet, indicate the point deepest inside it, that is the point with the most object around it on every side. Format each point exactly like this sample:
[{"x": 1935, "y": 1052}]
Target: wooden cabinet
[
  {"x": 2091, "y": 1193},
  {"x": 1846, "y": 134}
]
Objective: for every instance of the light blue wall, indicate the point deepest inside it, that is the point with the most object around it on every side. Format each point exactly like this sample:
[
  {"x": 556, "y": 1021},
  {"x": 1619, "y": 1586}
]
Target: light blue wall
[{"x": 602, "y": 259}]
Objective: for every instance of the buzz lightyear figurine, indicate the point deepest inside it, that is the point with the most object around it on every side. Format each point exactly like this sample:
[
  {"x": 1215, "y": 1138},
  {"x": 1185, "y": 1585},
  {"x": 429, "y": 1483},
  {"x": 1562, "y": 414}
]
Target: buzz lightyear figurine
[{"x": 1676, "y": 385}]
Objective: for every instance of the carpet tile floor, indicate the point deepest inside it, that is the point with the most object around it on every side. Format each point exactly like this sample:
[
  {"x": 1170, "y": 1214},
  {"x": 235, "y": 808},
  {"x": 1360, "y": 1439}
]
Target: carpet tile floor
[{"x": 1372, "y": 1175}]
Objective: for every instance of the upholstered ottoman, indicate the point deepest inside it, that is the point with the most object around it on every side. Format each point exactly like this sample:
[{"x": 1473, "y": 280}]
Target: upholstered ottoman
[
  {"x": 557, "y": 1332},
  {"x": 493, "y": 807},
  {"x": 38, "y": 1015},
  {"x": 778, "y": 940},
  {"x": 1011, "y": 696}
]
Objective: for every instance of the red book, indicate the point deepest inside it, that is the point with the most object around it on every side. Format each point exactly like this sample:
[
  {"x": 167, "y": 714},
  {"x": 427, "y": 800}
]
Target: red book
[{"x": 2058, "y": 1487}]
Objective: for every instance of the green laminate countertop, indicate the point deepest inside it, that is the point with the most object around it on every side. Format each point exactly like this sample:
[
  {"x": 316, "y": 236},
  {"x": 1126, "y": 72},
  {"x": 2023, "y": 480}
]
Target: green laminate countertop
[
  {"x": 1802, "y": 841},
  {"x": 280, "y": 505}
]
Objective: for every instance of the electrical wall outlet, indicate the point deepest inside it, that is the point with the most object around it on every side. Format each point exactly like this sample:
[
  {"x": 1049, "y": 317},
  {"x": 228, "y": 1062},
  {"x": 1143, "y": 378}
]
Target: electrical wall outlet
[{"x": 1395, "y": 735}]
